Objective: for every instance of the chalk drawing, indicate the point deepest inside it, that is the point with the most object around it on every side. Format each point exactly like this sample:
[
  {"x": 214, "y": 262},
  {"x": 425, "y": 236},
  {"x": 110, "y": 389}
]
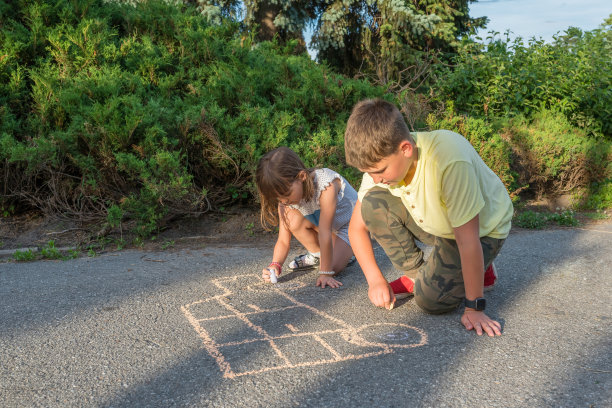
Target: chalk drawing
[{"x": 269, "y": 332}]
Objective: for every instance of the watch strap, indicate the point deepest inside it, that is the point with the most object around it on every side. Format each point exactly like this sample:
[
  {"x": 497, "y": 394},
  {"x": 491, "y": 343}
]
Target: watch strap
[{"x": 476, "y": 304}]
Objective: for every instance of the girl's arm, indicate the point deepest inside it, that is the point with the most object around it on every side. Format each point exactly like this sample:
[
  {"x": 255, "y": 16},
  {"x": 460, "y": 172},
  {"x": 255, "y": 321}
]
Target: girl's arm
[
  {"x": 281, "y": 249},
  {"x": 328, "y": 202}
]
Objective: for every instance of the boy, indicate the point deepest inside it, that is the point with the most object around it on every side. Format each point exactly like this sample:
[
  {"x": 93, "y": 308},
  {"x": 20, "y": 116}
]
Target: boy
[{"x": 435, "y": 188}]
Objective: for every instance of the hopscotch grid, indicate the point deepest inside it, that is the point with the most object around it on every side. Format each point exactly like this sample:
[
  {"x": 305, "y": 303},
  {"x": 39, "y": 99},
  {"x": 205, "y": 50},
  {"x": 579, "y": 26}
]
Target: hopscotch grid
[
  {"x": 259, "y": 330},
  {"x": 327, "y": 346},
  {"x": 279, "y": 309},
  {"x": 347, "y": 332},
  {"x": 280, "y": 337},
  {"x": 210, "y": 345}
]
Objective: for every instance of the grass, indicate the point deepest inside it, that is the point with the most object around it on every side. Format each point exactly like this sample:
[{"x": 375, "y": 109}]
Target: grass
[
  {"x": 50, "y": 251},
  {"x": 24, "y": 256},
  {"x": 538, "y": 220}
]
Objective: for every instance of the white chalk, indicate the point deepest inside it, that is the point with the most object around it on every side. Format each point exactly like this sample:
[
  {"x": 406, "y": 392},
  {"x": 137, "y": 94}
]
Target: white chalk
[{"x": 272, "y": 275}]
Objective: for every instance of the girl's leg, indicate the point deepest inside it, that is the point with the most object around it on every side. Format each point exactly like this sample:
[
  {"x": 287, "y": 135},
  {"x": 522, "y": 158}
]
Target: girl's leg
[
  {"x": 342, "y": 254},
  {"x": 307, "y": 234},
  {"x": 303, "y": 230}
]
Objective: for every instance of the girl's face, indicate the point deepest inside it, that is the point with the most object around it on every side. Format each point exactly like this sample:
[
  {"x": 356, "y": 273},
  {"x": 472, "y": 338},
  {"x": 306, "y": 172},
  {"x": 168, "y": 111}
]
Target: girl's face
[{"x": 295, "y": 194}]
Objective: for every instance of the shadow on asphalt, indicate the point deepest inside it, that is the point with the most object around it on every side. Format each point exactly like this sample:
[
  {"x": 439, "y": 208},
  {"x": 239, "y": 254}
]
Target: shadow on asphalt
[
  {"x": 521, "y": 268},
  {"x": 526, "y": 259}
]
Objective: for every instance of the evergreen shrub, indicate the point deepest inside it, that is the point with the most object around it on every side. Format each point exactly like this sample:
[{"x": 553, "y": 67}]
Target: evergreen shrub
[
  {"x": 508, "y": 78},
  {"x": 486, "y": 138},
  {"x": 552, "y": 156},
  {"x": 146, "y": 112}
]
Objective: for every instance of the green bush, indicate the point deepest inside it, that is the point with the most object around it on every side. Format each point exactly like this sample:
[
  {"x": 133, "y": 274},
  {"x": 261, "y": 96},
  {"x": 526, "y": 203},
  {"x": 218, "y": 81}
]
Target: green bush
[
  {"x": 543, "y": 155},
  {"x": 597, "y": 196},
  {"x": 565, "y": 218},
  {"x": 146, "y": 112},
  {"x": 506, "y": 78},
  {"x": 552, "y": 156},
  {"x": 486, "y": 138},
  {"x": 50, "y": 251},
  {"x": 138, "y": 114}
]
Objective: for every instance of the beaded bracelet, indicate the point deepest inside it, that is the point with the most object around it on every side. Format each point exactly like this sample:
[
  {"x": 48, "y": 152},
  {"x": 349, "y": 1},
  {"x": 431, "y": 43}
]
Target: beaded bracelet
[
  {"x": 278, "y": 265},
  {"x": 326, "y": 272}
]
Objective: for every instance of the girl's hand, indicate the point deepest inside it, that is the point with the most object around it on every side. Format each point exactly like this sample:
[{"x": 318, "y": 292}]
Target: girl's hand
[
  {"x": 265, "y": 273},
  {"x": 324, "y": 280}
]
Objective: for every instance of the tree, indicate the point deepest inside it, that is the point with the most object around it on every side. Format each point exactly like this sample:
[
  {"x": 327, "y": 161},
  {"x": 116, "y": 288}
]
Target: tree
[
  {"x": 268, "y": 19},
  {"x": 351, "y": 33}
]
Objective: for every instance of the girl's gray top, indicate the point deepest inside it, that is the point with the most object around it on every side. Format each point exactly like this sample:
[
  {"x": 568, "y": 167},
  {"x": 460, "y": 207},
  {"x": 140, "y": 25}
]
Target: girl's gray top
[{"x": 347, "y": 197}]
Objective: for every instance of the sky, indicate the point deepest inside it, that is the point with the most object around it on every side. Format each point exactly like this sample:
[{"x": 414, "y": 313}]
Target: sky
[{"x": 540, "y": 18}]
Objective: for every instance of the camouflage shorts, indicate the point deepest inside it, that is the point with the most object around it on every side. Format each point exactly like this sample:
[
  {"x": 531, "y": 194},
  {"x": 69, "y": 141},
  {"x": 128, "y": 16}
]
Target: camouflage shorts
[{"x": 438, "y": 281}]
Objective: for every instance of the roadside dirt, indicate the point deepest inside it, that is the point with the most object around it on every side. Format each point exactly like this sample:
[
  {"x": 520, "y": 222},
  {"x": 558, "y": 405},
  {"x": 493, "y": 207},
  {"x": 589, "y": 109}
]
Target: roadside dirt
[{"x": 236, "y": 227}]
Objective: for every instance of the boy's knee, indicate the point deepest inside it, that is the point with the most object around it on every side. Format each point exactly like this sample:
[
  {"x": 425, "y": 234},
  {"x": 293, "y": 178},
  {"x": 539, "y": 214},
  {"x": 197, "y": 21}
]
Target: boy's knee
[
  {"x": 434, "y": 301},
  {"x": 376, "y": 199},
  {"x": 379, "y": 207},
  {"x": 434, "y": 307}
]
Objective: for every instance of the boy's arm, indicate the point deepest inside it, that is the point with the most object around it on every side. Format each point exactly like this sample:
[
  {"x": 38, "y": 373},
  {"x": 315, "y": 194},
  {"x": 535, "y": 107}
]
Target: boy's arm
[
  {"x": 379, "y": 292},
  {"x": 472, "y": 266}
]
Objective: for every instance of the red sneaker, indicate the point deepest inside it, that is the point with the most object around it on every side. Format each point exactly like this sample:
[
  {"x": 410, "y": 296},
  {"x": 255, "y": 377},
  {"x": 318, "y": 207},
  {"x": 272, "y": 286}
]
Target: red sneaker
[
  {"x": 490, "y": 277},
  {"x": 402, "y": 287}
]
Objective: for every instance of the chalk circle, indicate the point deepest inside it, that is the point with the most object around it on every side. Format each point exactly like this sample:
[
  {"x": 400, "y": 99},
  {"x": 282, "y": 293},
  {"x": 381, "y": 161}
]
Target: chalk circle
[{"x": 385, "y": 335}]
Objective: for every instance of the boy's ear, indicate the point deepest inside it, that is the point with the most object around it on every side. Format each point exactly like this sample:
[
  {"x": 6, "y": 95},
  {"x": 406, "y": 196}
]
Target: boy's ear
[{"x": 406, "y": 148}]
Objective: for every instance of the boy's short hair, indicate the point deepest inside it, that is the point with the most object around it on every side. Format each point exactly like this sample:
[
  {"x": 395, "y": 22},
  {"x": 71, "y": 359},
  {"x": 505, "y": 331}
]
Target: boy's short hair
[{"x": 374, "y": 131}]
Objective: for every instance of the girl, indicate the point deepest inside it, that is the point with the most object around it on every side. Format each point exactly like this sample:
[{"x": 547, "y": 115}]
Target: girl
[{"x": 314, "y": 205}]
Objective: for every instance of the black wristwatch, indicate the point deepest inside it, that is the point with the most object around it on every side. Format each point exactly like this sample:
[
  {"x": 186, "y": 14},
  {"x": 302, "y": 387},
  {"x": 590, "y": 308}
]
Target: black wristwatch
[{"x": 476, "y": 304}]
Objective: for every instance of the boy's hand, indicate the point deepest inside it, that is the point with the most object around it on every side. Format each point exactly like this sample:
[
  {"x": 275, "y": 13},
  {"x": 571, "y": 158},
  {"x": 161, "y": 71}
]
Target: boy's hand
[
  {"x": 479, "y": 321},
  {"x": 381, "y": 295},
  {"x": 324, "y": 280}
]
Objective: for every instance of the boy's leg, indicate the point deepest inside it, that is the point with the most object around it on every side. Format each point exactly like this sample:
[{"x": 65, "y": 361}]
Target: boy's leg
[
  {"x": 439, "y": 285},
  {"x": 391, "y": 225}
]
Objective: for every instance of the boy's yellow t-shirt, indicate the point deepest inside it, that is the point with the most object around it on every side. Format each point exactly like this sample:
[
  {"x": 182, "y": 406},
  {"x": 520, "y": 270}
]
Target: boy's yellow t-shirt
[{"x": 451, "y": 185}]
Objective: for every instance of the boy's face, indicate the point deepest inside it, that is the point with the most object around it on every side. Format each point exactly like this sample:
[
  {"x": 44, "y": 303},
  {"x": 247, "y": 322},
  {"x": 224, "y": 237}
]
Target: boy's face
[{"x": 393, "y": 169}]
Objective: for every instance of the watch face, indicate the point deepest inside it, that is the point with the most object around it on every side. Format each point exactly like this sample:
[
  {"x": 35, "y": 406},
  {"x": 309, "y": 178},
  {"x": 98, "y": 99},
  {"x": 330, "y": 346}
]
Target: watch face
[{"x": 477, "y": 304}]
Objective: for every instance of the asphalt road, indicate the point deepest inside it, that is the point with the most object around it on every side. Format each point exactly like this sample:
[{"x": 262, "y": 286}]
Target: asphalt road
[{"x": 195, "y": 328}]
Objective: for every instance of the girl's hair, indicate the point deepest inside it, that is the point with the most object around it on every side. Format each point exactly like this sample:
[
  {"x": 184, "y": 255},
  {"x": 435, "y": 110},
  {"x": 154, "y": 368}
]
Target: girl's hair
[{"x": 276, "y": 171}]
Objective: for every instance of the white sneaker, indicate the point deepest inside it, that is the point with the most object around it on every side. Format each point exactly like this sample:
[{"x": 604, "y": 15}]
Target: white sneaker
[{"x": 304, "y": 262}]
